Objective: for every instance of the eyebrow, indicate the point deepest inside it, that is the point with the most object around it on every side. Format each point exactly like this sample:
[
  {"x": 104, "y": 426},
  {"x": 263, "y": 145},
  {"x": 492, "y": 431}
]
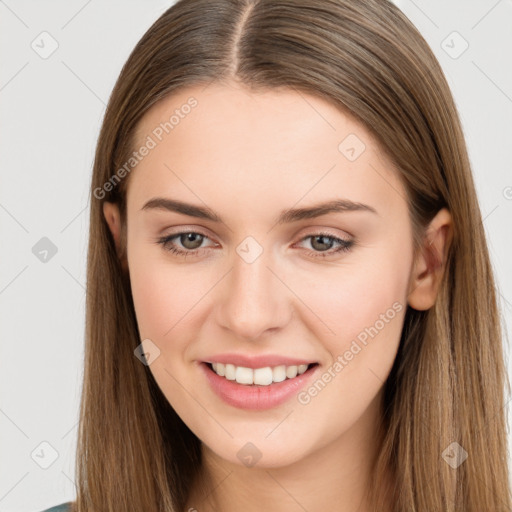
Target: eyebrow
[{"x": 286, "y": 216}]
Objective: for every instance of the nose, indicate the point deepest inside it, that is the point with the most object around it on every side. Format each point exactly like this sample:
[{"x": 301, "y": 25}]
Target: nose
[{"x": 253, "y": 299}]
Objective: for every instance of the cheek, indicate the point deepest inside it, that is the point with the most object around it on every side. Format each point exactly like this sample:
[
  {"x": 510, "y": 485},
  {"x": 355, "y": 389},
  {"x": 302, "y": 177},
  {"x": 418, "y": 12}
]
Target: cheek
[
  {"x": 363, "y": 303},
  {"x": 164, "y": 297},
  {"x": 170, "y": 301},
  {"x": 355, "y": 296},
  {"x": 365, "y": 307}
]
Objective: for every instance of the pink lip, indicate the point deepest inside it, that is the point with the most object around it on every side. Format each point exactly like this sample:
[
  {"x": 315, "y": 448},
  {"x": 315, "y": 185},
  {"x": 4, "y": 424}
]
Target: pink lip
[
  {"x": 256, "y": 397},
  {"x": 256, "y": 361}
]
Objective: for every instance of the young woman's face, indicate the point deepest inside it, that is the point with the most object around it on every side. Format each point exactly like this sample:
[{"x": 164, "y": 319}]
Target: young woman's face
[{"x": 266, "y": 279}]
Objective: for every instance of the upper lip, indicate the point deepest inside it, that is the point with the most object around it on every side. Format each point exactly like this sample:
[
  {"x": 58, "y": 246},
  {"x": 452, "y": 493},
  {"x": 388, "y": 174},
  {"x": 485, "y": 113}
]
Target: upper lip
[{"x": 257, "y": 361}]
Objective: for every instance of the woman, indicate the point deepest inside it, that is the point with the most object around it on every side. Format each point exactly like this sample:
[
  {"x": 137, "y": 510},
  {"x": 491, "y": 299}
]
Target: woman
[{"x": 290, "y": 304}]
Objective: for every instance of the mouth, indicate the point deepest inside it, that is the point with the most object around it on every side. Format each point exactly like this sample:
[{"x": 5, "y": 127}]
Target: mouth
[
  {"x": 255, "y": 388},
  {"x": 259, "y": 377}
]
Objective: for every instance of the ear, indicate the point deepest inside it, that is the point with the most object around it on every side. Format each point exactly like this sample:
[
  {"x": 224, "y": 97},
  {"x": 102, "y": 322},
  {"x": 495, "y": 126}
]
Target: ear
[
  {"x": 113, "y": 218},
  {"x": 430, "y": 262}
]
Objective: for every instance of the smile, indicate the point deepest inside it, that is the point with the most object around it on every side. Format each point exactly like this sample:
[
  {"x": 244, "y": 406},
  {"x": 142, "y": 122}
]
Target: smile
[
  {"x": 258, "y": 376},
  {"x": 254, "y": 388}
]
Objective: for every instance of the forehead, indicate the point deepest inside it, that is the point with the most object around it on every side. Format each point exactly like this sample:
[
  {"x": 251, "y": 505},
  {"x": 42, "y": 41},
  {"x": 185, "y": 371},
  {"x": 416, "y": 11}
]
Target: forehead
[
  {"x": 230, "y": 109},
  {"x": 223, "y": 140}
]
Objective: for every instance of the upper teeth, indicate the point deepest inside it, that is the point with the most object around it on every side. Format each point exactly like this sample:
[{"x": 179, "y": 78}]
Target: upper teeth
[{"x": 261, "y": 376}]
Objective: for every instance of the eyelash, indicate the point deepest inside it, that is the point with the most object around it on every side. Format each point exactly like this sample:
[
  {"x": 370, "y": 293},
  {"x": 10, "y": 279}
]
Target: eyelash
[{"x": 345, "y": 246}]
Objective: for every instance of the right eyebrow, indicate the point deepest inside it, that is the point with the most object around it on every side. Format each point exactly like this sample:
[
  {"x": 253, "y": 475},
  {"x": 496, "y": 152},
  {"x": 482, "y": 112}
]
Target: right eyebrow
[{"x": 173, "y": 205}]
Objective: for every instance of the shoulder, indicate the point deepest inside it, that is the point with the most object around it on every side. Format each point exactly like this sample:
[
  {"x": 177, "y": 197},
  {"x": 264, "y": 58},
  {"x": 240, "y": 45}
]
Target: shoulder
[{"x": 63, "y": 507}]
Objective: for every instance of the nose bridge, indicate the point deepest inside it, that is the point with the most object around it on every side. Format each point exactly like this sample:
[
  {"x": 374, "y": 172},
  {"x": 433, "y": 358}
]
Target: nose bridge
[{"x": 254, "y": 300}]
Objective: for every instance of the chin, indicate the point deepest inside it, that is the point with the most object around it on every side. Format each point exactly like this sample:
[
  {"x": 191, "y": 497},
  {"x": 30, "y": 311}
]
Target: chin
[{"x": 259, "y": 453}]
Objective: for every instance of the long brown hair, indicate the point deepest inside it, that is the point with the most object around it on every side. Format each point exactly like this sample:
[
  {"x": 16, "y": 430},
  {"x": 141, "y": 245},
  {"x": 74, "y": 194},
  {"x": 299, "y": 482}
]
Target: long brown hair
[{"x": 447, "y": 383}]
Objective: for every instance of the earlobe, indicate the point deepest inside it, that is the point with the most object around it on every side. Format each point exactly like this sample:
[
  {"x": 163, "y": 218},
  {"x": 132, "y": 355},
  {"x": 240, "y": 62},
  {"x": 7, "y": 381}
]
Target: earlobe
[
  {"x": 113, "y": 218},
  {"x": 430, "y": 262}
]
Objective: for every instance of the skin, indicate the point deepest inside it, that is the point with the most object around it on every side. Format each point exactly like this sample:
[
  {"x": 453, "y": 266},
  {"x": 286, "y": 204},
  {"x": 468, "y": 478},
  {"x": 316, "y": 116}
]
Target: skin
[{"x": 247, "y": 156}]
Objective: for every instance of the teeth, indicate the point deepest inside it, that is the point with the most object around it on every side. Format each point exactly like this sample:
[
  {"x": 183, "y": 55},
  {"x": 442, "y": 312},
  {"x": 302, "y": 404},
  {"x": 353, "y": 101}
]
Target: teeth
[
  {"x": 220, "y": 369},
  {"x": 279, "y": 373},
  {"x": 244, "y": 375},
  {"x": 260, "y": 376},
  {"x": 229, "y": 371},
  {"x": 291, "y": 372}
]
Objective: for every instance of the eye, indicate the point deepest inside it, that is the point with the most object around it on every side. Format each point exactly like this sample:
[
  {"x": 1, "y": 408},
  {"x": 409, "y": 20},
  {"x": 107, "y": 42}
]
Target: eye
[
  {"x": 191, "y": 242},
  {"x": 322, "y": 244}
]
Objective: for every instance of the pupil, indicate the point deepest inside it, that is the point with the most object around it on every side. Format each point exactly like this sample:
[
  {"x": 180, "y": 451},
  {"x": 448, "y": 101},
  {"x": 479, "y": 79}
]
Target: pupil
[
  {"x": 322, "y": 243},
  {"x": 189, "y": 238}
]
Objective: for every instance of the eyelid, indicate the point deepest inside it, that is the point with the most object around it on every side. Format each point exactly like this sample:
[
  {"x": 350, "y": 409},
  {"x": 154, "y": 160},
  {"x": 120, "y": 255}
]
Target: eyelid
[
  {"x": 306, "y": 233},
  {"x": 180, "y": 230},
  {"x": 345, "y": 244},
  {"x": 341, "y": 237},
  {"x": 327, "y": 231}
]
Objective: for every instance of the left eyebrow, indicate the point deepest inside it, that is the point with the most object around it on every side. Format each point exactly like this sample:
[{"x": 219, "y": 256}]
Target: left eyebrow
[
  {"x": 286, "y": 216},
  {"x": 172, "y": 205}
]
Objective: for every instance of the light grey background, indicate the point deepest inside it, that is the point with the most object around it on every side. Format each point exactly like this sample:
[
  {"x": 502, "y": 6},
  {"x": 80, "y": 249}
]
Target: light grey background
[{"x": 51, "y": 112}]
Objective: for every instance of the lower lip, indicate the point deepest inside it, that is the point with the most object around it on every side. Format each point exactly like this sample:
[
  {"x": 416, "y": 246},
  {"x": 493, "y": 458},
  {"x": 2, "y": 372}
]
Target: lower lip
[{"x": 256, "y": 397}]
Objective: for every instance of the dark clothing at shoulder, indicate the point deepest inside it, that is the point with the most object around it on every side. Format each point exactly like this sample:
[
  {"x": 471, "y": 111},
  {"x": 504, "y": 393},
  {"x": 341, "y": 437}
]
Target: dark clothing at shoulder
[{"x": 63, "y": 507}]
